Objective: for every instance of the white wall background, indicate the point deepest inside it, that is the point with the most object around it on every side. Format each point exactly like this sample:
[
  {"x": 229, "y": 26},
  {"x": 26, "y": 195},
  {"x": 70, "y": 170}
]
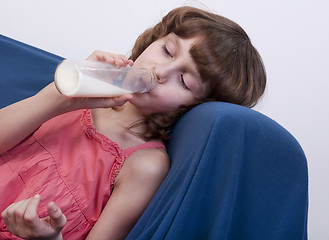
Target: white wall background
[{"x": 292, "y": 36}]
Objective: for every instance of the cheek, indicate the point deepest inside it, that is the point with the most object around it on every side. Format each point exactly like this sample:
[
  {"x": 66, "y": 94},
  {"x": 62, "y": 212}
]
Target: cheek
[
  {"x": 138, "y": 63},
  {"x": 146, "y": 58},
  {"x": 170, "y": 98}
]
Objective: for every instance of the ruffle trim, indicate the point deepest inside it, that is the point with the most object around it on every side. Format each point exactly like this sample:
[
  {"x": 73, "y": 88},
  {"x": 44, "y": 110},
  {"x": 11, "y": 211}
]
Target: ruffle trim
[{"x": 107, "y": 144}]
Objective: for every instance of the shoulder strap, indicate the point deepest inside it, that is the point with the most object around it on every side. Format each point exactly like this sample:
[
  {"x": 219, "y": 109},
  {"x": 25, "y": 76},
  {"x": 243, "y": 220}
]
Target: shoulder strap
[{"x": 131, "y": 150}]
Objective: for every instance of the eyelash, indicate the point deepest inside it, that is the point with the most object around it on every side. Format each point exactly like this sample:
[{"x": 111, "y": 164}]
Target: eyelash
[
  {"x": 165, "y": 50},
  {"x": 183, "y": 82}
]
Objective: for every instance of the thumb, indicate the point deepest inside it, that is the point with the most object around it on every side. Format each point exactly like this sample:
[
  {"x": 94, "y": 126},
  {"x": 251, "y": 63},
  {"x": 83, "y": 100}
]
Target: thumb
[{"x": 57, "y": 218}]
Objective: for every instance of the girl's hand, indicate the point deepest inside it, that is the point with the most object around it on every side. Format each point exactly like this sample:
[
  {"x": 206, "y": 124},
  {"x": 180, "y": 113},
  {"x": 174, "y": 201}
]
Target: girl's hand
[
  {"x": 114, "y": 59},
  {"x": 119, "y": 60},
  {"x": 65, "y": 104},
  {"x": 22, "y": 220}
]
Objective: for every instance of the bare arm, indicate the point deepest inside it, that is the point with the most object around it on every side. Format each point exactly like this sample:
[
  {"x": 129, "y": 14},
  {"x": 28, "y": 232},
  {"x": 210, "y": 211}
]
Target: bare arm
[
  {"x": 20, "y": 119},
  {"x": 135, "y": 186}
]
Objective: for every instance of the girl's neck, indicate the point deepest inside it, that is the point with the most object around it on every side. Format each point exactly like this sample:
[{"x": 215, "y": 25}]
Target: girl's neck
[
  {"x": 114, "y": 123},
  {"x": 127, "y": 114}
]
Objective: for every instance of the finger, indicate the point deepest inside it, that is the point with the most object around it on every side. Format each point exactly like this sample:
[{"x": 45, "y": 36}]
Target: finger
[
  {"x": 101, "y": 56},
  {"x": 31, "y": 217},
  {"x": 119, "y": 61},
  {"x": 109, "y": 102},
  {"x": 13, "y": 215},
  {"x": 122, "y": 60},
  {"x": 108, "y": 59},
  {"x": 8, "y": 216},
  {"x": 122, "y": 99},
  {"x": 96, "y": 56},
  {"x": 57, "y": 218},
  {"x": 117, "y": 101},
  {"x": 20, "y": 212},
  {"x": 130, "y": 62}
]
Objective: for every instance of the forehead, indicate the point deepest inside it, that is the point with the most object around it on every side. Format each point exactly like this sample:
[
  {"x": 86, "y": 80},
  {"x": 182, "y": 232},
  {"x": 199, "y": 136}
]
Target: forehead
[{"x": 184, "y": 43}]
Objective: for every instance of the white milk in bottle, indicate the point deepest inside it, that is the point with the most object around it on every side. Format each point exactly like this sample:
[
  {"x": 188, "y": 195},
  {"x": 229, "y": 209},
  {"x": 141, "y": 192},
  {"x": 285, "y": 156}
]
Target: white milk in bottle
[{"x": 97, "y": 79}]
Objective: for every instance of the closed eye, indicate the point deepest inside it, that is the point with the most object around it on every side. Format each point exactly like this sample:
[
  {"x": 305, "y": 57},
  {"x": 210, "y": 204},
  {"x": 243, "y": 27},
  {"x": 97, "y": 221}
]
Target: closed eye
[
  {"x": 183, "y": 82},
  {"x": 165, "y": 50}
]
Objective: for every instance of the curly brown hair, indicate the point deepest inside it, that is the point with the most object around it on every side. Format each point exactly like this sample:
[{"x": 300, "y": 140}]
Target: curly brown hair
[{"x": 225, "y": 58}]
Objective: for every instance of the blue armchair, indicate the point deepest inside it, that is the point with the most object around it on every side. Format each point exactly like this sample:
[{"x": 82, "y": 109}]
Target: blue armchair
[{"x": 235, "y": 174}]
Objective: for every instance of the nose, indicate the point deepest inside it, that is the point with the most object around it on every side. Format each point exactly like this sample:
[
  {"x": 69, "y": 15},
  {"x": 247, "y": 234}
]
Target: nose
[
  {"x": 158, "y": 76},
  {"x": 163, "y": 72}
]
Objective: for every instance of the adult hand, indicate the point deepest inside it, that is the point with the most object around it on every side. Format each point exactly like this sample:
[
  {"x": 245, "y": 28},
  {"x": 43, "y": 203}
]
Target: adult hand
[{"x": 21, "y": 219}]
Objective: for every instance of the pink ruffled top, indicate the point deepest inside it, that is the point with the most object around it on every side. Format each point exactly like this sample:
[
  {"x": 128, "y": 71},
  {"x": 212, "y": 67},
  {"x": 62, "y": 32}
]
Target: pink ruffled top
[{"x": 66, "y": 161}]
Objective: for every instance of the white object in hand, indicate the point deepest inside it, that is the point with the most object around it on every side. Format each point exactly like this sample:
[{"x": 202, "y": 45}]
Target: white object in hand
[{"x": 97, "y": 79}]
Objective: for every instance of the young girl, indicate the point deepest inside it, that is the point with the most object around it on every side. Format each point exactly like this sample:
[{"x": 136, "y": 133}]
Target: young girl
[{"x": 68, "y": 171}]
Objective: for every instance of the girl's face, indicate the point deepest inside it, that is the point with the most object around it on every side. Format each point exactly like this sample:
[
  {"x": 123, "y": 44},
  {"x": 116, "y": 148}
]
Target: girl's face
[{"x": 178, "y": 81}]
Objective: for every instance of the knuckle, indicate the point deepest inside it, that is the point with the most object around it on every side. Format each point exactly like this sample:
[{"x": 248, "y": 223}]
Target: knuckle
[
  {"x": 8, "y": 213},
  {"x": 28, "y": 219},
  {"x": 4, "y": 214},
  {"x": 17, "y": 213}
]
